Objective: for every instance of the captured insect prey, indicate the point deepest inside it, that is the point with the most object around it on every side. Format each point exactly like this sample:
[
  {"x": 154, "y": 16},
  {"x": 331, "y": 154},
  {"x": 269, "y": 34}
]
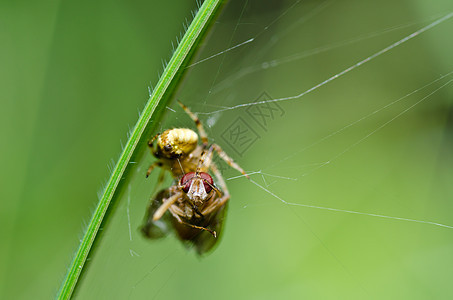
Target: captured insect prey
[{"x": 195, "y": 205}]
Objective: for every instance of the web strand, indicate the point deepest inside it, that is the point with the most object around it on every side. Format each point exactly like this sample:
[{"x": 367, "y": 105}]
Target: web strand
[
  {"x": 338, "y": 75},
  {"x": 364, "y": 118},
  {"x": 350, "y": 211}
]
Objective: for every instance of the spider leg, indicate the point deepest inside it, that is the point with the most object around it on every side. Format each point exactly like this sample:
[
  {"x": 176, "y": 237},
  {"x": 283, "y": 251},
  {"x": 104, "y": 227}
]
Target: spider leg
[
  {"x": 228, "y": 159},
  {"x": 165, "y": 206},
  {"x": 200, "y": 128},
  {"x": 151, "y": 168},
  {"x": 151, "y": 141},
  {"x": 196, "y": 210},
  {"x": 219, "y": 178},
  {"x": 215, "y": 205},
  {"x": 191, "y": 225},
  {"x": 151, "y": 145},
  {"x": 205, "y": 159}
]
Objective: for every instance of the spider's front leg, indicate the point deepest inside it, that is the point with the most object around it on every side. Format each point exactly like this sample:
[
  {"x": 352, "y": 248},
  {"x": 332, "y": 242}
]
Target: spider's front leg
[
  {"x": 200, "y": 128},
  {"x": 178, "y": 218},
  {"x": 228, "y": 159},
  {"x": 155, "y": 164},
  {"x": 151, "y": 168},
  {"x": 166, "y": 205},
  {"x": 151, "y": 141},
  {"x": 219, "y": 178},
  {"x": 197, "y": 211}
]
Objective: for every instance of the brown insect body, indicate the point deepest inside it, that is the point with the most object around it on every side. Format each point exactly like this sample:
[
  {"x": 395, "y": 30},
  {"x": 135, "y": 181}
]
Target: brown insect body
[
  {"x": 190, "y": 214},
  {"x": 203, "y": 241}
]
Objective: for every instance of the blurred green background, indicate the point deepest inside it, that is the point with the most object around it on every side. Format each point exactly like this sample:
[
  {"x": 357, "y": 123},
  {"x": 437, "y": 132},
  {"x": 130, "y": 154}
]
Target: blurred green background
[{"x": 74, "y": 75}]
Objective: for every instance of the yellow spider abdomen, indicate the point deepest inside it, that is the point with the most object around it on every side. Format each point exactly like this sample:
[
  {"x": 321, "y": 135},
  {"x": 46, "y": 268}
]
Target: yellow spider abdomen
[{"x": 177, "y": 142}]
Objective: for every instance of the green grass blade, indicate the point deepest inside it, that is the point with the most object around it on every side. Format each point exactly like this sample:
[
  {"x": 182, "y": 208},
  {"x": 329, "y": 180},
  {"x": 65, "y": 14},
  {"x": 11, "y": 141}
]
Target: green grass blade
[{"x": 146, "y": 123}]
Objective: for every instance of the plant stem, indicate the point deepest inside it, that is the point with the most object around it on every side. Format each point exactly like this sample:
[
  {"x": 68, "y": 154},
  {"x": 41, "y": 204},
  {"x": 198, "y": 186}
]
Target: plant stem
[{"x": 145, "y": 124}]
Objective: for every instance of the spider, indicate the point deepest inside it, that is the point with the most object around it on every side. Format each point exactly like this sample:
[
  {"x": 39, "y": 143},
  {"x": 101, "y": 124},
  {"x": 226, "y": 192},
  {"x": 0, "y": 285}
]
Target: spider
[
  {"x": 196, "y": 205},
  {"x": 177, "y": 150}
]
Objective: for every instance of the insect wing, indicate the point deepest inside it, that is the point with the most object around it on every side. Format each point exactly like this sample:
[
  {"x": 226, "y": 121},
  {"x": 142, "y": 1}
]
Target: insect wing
[
  {"x": 160, "y": 228},
  {"x": 203, "y": 241}
]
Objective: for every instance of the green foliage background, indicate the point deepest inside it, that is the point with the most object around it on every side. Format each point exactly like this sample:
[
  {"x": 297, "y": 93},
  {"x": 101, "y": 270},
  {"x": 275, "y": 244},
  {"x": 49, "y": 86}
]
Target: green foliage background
[{"x": 75, "y": 74}]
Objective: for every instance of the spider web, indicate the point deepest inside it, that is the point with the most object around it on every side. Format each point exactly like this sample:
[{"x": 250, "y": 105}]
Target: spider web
[
  {"x": 442, "y": 81},
  {"x": 343, "y": 127}
]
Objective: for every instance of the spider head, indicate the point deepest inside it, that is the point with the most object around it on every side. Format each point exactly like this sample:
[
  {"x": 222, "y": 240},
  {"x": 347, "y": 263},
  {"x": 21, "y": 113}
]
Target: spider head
[
  {"x": 197, "y": 186},
  {"x": 176, "y": 142}
]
